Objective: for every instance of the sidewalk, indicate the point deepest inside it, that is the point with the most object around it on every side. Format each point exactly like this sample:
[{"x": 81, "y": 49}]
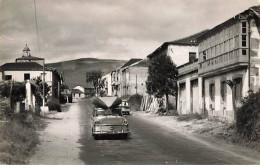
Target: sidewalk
[
  {"x": 189, "y": 127},
  {"x": 204, "y": 130},
  {"x": 59, "y": 140}
]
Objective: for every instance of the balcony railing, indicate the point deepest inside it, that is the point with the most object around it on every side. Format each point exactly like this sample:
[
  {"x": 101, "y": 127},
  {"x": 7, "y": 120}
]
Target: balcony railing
[
  {"x": 225, "y": 60},
  {"x": 187, "y": 68}
]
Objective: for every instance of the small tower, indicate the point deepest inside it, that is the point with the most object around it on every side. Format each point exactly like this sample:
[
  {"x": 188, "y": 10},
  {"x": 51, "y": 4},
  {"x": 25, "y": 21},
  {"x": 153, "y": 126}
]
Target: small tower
[{"x": 26, "y": 51}]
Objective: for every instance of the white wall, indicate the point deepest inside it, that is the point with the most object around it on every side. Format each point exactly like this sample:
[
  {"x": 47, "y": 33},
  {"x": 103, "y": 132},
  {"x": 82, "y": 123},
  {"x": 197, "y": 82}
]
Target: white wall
[
  {"x": 108, "y": 79},
  {"x": 19, "y": 75},
  {"x": 228, "y": 113},
  {"x": 180, "y": 54},
  {"x": 80, "y": 88}
]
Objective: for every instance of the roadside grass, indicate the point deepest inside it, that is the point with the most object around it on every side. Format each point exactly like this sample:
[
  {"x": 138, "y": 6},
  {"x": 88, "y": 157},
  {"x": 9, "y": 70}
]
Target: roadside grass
[
  {"x": 229, "y": 134},
  {"x": 188, "y": 117},
  {"x": 18, "y": 134},
  {"x": 19, "y": 139}
]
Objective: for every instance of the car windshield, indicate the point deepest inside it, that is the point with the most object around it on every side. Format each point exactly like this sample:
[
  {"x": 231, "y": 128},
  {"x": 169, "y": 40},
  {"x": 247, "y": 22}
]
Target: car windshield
[
  {"x": 113, "y": 112},
  {"x": 124, "y": 103}
]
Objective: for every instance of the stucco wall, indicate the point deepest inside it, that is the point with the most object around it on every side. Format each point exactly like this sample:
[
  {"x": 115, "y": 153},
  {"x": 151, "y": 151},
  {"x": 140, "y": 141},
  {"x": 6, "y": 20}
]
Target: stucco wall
[
  {"x": 108, "y": 83},
  {"x": 228, "y": 112},
  {"x": 19, "y": 75},
  {"x": 184, "y": 95},
  {"x": 180, "y": 54},
  {"x": 142, "y": 74}
]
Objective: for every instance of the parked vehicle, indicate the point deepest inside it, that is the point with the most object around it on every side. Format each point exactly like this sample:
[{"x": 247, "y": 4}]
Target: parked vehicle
[
  {"x": 125, "y": 107},
  {"x": 107, "y": 118}
]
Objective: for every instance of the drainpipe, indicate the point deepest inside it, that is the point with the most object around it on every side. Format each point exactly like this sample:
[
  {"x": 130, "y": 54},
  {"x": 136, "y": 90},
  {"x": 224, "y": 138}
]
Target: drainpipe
[{"x": 249, "y": 55}]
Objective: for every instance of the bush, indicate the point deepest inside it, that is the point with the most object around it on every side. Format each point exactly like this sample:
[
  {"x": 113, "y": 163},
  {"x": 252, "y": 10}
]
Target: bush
[
  {"x": 20, "y": 136},
  {"x": 188, "y": 117},
  {"x": 135, "y": 102},
  {"x": 247, "y": 121},
  {"x": 54, "y": 106}
]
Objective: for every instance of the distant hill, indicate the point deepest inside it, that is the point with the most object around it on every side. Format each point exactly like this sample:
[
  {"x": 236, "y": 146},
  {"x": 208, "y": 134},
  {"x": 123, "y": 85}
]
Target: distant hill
[{"x": 74, "y": 71}]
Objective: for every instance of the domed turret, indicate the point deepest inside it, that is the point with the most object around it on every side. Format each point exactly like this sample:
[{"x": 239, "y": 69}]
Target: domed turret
[{"x": 26, "y": 51}]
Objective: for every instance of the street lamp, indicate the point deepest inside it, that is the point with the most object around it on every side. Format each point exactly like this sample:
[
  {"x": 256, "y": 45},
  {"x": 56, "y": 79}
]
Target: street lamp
[{"x": 43, "y": 87}]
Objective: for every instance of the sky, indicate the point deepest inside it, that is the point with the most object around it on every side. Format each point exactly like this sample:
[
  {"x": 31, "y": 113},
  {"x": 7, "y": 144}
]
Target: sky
[{"x": 105, "y": 29}]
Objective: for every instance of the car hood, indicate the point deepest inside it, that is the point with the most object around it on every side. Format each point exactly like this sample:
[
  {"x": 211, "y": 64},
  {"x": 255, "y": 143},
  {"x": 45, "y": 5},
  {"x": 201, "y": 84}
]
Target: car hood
[{"x": 111, "y": 120}]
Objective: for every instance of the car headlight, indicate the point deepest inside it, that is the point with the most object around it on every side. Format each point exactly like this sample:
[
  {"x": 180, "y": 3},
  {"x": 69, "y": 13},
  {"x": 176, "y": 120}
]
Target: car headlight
[{"x": 125, "y": 122}]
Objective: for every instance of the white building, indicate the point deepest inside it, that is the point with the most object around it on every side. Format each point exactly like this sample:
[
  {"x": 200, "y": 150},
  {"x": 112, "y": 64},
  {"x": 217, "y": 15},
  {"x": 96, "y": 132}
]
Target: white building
[
  {"x": 78, "y": 92},
  {"x": 182, "y": 51},
  {"x": 108, "y": 84},
  {"x": 29, "y": 67}
]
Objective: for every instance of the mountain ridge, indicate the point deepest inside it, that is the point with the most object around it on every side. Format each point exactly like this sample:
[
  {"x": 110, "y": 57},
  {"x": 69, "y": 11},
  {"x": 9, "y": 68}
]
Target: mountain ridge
[{"x": 74, "y": 71}]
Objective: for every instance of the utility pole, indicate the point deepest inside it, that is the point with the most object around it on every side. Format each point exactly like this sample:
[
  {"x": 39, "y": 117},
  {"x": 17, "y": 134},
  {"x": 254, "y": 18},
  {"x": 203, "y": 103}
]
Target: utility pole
[
  {"x": 249, "y": 18},
  {"x": 43, "y": 87},
  {"x": 136, "y": 84}
]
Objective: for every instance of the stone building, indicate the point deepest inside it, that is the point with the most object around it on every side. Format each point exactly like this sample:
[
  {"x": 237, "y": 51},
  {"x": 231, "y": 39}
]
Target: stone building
[
  {"x": 107, "y": 84},
  {"x": 134, "y": 78},
  {"x": 184, "y": 54},
  {"x": 116, "y": 77},
  {"x": 224, "y": 54}
]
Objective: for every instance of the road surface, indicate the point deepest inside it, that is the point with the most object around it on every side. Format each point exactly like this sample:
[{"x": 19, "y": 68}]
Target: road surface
[{"x": 148, "y": 144}]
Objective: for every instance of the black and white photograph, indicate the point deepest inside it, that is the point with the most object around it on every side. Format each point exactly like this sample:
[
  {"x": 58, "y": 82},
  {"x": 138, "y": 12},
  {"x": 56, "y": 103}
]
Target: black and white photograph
[{"x": 129, "y": 82}]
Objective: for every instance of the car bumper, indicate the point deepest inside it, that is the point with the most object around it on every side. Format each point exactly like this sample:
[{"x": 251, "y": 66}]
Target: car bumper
[{"x": 110, "y": 132}]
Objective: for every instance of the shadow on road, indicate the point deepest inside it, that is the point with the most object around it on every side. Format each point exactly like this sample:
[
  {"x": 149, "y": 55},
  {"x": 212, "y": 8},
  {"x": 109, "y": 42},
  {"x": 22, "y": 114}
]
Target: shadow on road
[{"x": 112, "y": 137}]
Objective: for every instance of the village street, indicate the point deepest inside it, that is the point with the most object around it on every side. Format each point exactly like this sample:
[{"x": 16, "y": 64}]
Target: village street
[{"x": 68, "y": 140}]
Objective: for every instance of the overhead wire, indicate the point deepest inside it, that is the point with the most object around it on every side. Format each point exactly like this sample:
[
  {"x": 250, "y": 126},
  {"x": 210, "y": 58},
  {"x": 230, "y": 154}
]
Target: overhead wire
[{"x": 35, "y": 15}]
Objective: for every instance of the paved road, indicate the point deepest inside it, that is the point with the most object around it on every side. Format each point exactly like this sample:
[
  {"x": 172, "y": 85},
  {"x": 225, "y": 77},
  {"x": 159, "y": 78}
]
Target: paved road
[{"x": 148, "y": 144}]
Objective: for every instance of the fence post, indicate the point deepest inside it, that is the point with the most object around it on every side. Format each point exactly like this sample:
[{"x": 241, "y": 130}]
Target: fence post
[{"x": 28, "y": 101}]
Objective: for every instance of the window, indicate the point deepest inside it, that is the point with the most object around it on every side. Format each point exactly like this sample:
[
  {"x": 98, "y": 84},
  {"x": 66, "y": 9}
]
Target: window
[
  {"x": 238, "y": 89},
  {"x": 212, "y": 92},
  {"x": 243, "y": 40},
  {"x": 226, "y": 46},
  {"x": 221, "y": 48},
  {"x": 8, "y": 77},
  {"x": 44, "y": 76},
  {"x": 223, "y": 90},
  {"x": 231, "y": 44},
  {"x": 27, "y": 76},
  {"x": 192, "y": 56},
  {"x": 244, "y": 52},
  {"x": 236, "y": 42},
  {"x": 243, "y": 27},
  {"x": 217, "y": 50},
  {"x": 204, "y": 56}
]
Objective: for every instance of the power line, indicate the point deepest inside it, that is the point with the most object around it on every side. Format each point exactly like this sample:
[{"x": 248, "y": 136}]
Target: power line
[{"x": 35, "y": 14}]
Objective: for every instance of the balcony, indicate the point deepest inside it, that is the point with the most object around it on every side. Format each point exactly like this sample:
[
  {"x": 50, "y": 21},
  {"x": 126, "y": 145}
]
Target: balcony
[
  {"x": 223, "y": 62},
  {"x": 187, "y": 68}
]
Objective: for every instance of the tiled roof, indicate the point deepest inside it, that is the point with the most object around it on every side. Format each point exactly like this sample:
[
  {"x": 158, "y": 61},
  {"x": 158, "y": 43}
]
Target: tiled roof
[
  {"x": 190, "y": 40},
  {"x": 22, "y": 66},
  {"x": 143, "y": 63},
  {"x": 131, "y": 61},
  {"x": 231, "y": 21},
  {"x": 256, "y": 10},
  {"x": 29, "y": 58}
]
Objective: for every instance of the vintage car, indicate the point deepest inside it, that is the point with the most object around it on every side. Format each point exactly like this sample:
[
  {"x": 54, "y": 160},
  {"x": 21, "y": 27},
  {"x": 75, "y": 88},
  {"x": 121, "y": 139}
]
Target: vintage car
[
  {"x": 125, "y": 107},
  {"x": 107, "y": 118}
]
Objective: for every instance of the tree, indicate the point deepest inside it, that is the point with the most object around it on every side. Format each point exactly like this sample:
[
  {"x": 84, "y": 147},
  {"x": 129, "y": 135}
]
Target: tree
[
  {"x": 37, "y": 90},
  {"x": 16, "y": 91},
  {"x": 162, "y": 78},
  {"x": 232, "y": 85},
  {"x": 94, "y": 77}
]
